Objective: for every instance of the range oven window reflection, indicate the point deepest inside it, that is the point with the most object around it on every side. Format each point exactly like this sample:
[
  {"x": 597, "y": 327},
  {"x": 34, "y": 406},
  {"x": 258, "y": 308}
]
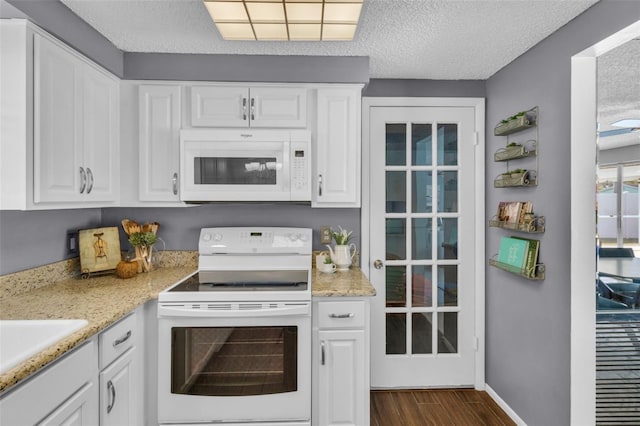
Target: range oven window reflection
[{"x": 234, "y": 361}]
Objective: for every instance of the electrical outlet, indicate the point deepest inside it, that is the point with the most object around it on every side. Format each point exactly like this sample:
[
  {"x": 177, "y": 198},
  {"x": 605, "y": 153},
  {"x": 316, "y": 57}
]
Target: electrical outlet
[
  {"x": 72, "y": 242},
  {"x": 325, "y": 235}
]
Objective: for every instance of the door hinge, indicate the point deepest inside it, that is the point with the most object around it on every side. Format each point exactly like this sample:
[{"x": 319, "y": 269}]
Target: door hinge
[
  {"x": 476, "y": 139},
  {"x": 476, "y": 344}
]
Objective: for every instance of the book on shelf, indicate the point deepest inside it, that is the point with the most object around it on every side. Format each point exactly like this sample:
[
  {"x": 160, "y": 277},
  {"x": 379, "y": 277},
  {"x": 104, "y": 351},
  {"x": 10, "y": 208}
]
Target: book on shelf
[
  {"x": 533, "y": 249},
  {"x": 513, "y": 252},
  {"x": 509, "y": 212},
  {"x": 527, "y": 207}
]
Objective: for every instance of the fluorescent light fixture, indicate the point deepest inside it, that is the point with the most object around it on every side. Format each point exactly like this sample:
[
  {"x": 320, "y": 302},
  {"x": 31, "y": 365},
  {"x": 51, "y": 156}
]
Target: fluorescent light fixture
[
  {"x": 285, "y": 19},
  {"x": 628, "y": 123}
]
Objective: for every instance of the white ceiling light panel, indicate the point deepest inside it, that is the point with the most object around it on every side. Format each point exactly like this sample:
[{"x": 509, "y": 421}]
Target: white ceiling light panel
[{"x": 285, "y": 19}]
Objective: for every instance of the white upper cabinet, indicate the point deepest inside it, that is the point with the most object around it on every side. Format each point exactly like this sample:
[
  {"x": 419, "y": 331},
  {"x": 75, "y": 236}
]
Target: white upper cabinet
[
  {"x": 60, "y": 143},
  {"x": 75, "y": 128},
  {"x": 337, "y": 150},
  {"x": 224, "y": 106},
  {"x": 159, "y": 142}
]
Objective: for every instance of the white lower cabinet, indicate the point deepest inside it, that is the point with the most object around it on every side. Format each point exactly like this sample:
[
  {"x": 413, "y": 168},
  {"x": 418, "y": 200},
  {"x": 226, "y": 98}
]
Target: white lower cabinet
[
  {"x": 120, "y": 380},
  {"x": 341, "y": 363},
  {"x": 64, "y": 393}
]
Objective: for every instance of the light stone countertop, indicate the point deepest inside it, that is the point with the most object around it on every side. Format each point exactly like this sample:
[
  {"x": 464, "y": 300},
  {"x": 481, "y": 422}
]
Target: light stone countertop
[
  {"x": 341, "y": 283},
  {"x": 103, "y": 300}
]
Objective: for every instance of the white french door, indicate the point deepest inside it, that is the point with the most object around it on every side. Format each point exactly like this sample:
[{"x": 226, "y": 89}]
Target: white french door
[{"x": 422, "y": 247}]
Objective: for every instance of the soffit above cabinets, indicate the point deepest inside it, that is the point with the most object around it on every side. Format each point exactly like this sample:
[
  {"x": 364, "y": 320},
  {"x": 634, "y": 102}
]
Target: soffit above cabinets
[{"x": 412, "y": 39}]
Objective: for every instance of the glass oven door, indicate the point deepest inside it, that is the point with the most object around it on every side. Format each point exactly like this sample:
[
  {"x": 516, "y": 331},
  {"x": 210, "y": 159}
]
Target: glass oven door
[
  {"x": 234, "y": 368},
  {"x": 247, "y": 171}
]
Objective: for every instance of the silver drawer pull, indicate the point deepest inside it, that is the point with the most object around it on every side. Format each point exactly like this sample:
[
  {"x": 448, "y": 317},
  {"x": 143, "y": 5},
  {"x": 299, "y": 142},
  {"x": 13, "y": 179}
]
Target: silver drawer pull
[
  {"x": 112, "y": 396},
  {"x": 121, "y": 340},
  {"x": 349, "y": 315},
  {"x": 322, "y": 358}
]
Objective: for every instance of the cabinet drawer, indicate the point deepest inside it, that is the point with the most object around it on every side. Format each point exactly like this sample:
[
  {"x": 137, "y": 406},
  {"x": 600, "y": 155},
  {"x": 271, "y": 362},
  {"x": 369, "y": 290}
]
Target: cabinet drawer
[
  {"x": 116, "y": 340},
  {"x": 347, "y": 314}
]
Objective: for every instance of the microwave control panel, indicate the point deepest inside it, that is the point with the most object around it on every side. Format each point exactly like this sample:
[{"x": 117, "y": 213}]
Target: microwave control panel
[{"x": 300, "y": 171}]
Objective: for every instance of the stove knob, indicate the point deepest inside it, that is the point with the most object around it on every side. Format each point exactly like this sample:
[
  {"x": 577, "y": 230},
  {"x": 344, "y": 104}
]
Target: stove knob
[
  {"x": 217, "y": 237},
  {"x": 293, "y": 237},
  {"x": 302, "y": 237},
  {"x": 206, "y": 237}
]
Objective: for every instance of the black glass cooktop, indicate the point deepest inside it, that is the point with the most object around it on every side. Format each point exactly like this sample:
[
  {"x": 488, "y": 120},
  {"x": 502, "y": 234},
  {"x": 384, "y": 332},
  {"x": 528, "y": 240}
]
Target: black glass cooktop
[{"x": 244, "y": 281}]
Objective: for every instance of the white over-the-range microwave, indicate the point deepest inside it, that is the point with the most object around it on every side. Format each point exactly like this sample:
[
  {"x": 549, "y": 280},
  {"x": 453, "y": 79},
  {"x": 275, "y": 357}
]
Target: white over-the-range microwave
[{"x": 245, "y": 165}]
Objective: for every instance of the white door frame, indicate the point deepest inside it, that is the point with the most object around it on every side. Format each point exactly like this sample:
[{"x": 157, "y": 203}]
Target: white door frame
[
  {"x": 479, "y": 241},
  {"x": 583, "y": 226}
]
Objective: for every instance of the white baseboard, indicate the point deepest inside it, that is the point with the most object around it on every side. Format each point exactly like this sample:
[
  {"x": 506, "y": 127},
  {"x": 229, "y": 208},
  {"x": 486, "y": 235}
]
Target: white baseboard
[{"x": 512, "y": 414}]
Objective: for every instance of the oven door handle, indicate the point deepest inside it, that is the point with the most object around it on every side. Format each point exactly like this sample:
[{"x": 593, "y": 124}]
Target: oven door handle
[{"x": 205, "y": 312}]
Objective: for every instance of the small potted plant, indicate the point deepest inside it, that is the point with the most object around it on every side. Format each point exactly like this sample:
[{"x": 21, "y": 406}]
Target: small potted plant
[
  {"x": 512, "y": 124},
  {"x": 343, "y": 252},
  {"x": 143, "y": 243}
]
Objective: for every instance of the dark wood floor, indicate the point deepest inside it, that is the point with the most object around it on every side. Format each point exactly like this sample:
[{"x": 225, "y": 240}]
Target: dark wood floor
[{"x": 435, "y": 407}]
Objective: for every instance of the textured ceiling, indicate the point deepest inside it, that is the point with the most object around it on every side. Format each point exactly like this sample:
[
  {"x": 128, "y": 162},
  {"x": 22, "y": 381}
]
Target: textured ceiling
[{"x": 417, "y": 39}]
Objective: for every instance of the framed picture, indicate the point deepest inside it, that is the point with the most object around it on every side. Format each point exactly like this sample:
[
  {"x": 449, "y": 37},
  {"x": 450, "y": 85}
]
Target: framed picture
[{"x": 99, "y": 249}]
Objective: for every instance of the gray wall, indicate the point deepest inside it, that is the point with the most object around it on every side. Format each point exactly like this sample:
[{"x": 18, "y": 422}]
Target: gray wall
[
  {"x": 383, "y": 87},
  {"x": 180, "y": 227},
  {"x": 60, "y": 21},
  {"x": 30, "y": 239},
  {"x": 528, "y": 323}
]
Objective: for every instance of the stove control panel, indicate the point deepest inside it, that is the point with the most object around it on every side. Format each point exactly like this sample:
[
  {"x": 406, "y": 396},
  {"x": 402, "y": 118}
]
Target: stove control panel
[{"x": 262, "y": 240}]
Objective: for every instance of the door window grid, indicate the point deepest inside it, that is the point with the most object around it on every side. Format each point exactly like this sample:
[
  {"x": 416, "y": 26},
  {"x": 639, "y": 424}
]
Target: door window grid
[{"x": 403, "y": 215}]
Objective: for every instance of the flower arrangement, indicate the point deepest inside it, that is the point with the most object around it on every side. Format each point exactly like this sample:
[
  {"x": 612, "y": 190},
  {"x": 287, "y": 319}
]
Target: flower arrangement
[{"x": 342, "y": 237}]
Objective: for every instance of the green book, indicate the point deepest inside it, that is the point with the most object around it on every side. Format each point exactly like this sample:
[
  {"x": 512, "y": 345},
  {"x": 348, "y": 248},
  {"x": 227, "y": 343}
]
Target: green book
[
  {"x": 513, "y": 252},
  {"x": 532, "y": 256}
]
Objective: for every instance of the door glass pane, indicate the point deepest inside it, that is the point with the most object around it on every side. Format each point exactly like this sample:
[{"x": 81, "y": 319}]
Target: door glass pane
[
  {"x": 448, "y": 285},
  {"x": 396, "y": 183},
  {"x": 234, "y": 361},
  {"x": 235, "y": 171},
  {"x": 396, "y": 284},
  {"x": 421, "y": 286},
  {"x": 421, "y": 333},
  {"x": 421, "y": 144},
  {"x": 421, "y": 198},
  {"x": 447, "y": 332},
  {"x": 396, "y": 144},
  {"x": 448, "y": 238},
  {"x": 421, "y": 238},
  {"x": 447, "y": 144},
  {"x": 396, "y": 239},
  {"x": 396, "y": 340},
  {"x": 447, "y": 191}
]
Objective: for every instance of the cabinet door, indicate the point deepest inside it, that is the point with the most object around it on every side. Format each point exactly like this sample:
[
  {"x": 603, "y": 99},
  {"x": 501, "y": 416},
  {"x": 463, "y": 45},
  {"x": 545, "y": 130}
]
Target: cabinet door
[
  {"x": 100, "y": 135},
  {"x": 337, "y": 156},
  {"x": 213, "y": 106},
  {"x": 81, "y": 409},
  {"x": 57, "y": 142},
  {"x": 342, "y": 386},
  {"x": 159, "y": 127},
  {"x": 118, "y": 398},
  {"x": 278, "y": 107}
]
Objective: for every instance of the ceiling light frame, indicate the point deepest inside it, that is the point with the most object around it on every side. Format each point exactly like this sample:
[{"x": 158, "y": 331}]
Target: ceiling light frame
[{"x": 286, "y": 20}]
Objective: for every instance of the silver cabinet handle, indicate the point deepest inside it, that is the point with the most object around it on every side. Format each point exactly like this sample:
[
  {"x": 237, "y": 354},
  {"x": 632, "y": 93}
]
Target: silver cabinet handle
[
  {"x": 322, "y": 358},
  {"x": 378, "y": 264},
  {"x": 175, "y": 183},
  {"x": 90, "y": 173},
  {"x": 349, "y": 315},
  {"x": 83, "y": 180},
  {"x": 253, "y": 108},
  {"x": 121, "y": 340},
  {"x": 112, "y": 393},
  {"x": 319, "y": 185},
  {"x": 244, "y": 108}
]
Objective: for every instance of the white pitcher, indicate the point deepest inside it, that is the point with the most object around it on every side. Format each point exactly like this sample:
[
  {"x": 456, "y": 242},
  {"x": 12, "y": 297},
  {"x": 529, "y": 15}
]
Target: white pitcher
[{"x": 342, "y": 255}]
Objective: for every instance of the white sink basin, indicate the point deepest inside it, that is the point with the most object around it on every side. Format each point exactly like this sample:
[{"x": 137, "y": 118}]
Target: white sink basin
[{"x": 21, "y": 339}]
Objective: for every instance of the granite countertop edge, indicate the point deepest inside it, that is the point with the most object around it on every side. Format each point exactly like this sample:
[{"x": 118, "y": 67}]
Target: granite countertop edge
[{"x": 104, "y": 300}]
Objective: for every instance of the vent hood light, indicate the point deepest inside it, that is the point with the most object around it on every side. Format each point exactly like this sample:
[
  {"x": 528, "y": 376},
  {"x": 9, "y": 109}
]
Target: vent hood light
[{"x": 285, "y": 19}]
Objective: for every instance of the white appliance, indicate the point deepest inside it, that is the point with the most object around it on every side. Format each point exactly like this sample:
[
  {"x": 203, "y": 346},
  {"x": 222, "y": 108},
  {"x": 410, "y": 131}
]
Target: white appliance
[
  {"x": 235, "y": 337},
  {"x": 245, "y": 165}
]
